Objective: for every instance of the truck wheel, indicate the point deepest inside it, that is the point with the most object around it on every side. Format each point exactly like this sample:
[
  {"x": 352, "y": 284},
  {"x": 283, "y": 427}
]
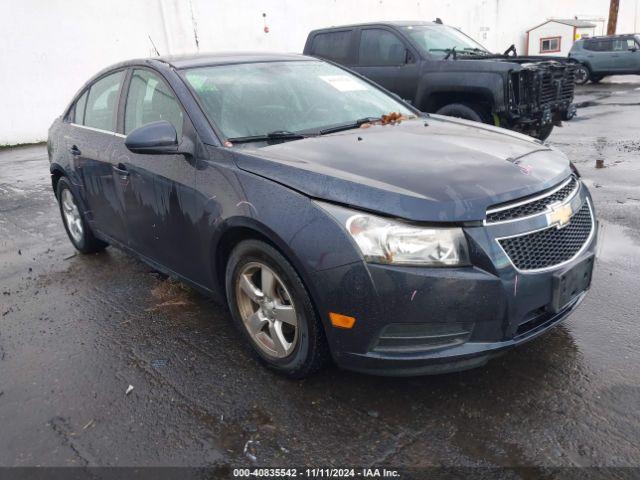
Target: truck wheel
[
  {"x": 544, "y": 132},
  {"x": 459, "y": 110},
  {"x": 582, "y": 75}
]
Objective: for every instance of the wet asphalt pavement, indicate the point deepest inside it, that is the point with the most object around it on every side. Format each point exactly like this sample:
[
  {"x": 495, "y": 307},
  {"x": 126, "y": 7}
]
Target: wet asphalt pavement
[{"x": 76, "y": 331}]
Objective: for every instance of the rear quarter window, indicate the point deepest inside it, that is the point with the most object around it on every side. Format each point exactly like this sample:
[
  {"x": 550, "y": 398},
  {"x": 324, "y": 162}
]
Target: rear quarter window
[
  {"x": 78, "y": 110},
  {"x": 332, "y": 45}
]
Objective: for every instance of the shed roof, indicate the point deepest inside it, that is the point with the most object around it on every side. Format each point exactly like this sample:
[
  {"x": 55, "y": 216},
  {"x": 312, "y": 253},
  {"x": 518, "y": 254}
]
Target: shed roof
[{"x": 567, "y": 21}]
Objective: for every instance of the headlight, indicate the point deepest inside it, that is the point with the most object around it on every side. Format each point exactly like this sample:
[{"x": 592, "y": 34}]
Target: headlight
[{"x": 383, "y": 240}]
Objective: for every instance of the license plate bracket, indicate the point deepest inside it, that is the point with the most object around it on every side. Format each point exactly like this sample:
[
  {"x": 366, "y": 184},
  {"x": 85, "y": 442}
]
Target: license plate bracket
[{"x": 571, "y": 283}]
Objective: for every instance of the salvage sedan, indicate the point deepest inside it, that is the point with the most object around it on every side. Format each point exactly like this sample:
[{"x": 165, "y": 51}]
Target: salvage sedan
[{"x": 335, "y": 220}]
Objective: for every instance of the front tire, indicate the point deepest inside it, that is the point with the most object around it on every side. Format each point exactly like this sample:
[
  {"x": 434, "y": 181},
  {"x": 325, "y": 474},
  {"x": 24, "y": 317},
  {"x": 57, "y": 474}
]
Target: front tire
[
  {"x": 74, "y": 221},
  {"x": 272, "y": 308},
  {"x": 543, "y": 132},
  {"x": 460, "y": 110}
]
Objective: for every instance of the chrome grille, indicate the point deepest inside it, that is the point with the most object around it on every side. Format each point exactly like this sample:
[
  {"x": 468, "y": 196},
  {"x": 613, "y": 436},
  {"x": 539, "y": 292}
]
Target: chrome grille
[
  {"x": 552, "y": 246},
  {"x": 537, "y": 204}
]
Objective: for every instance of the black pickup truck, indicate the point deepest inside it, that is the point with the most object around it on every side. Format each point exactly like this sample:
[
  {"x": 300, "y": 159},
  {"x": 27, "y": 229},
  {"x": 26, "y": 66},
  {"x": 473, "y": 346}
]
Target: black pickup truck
[{"x": 441, "y": 70}]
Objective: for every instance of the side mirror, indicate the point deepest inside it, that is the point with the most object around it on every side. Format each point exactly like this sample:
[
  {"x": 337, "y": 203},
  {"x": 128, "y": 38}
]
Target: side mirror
[{"x": 159, "y": 138}]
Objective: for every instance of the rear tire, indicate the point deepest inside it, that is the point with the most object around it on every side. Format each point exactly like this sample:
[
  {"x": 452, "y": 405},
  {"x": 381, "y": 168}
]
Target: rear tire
[
  {"x": 582, "y": 75},
  {"x": 74, "y": 220},
  {"x": 466, "y": 112},
  {"x": 295, "y": 348}
]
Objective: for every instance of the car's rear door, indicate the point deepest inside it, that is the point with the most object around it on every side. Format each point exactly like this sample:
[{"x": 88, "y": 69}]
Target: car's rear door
[
  {"x": 385, "y": 58},
  {"x": 335, "y": 45},
  {"x": 91, "y": 140},
  {"x": 599, "y": 51},
  {"x": 159, "y": 188}
]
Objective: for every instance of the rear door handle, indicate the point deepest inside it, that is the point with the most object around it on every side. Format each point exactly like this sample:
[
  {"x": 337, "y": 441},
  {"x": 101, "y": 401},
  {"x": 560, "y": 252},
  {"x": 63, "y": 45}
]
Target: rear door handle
[
  {"x": 121, "y": 170},
  {"x": 75, "y": 151}
]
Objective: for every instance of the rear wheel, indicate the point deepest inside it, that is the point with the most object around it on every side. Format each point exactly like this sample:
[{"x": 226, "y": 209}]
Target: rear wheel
[
  {"x": 74, "y": 222},
  {"x": 271, "y": 307},
  {"x": 460, "y": 110},
  {"x": 582, "y": 75}
]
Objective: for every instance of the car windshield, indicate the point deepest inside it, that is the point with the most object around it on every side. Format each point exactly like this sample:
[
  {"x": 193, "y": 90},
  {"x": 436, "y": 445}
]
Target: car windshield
[
  {"x": 439, "y": 40},
  {"x": 256, "y": 99}
]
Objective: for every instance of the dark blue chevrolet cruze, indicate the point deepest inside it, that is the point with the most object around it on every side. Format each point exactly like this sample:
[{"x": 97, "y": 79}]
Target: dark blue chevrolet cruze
[{"x": 334, "y": 219}]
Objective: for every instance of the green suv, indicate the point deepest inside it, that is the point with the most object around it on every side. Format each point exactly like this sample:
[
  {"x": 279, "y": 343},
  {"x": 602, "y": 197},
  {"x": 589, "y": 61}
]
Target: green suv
[{"x": 602, "y": 56}]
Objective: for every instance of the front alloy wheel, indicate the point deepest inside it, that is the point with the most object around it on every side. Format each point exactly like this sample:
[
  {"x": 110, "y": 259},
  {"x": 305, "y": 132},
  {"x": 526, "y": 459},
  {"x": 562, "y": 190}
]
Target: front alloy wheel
[
  {"x": 267, "y": 310},
  {"x": 272, "y": 308}
]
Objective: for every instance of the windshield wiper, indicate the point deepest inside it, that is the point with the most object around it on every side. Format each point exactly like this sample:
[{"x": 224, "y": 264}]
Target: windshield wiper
[
  {"x": 348, "y": 126},
  {"x": 476, "y": 50},
  {"x": 276, "y": 135}
]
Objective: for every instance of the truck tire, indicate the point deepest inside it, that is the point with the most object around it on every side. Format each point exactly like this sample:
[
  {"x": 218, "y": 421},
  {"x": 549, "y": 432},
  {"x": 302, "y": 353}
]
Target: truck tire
[
  {"x": 544, "y": 132},
  {"x": 460, "y": 110}
]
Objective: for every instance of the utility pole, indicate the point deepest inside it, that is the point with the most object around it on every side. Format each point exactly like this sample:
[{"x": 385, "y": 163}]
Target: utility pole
[{"x": 613, "y": 17}]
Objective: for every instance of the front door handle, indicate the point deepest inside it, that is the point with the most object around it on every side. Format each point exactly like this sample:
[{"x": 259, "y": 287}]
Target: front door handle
[
  {"x": 75, "y": 151},
  {"x": 121, "y": 170}
]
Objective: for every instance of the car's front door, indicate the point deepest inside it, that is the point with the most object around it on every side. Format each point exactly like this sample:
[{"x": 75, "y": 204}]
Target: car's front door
[
  {"x": 625, "y": 57},
  {"x": 159, "y": 189},
  {"x": 91, "y": 141},
  {"x": 385, "y": 58}
]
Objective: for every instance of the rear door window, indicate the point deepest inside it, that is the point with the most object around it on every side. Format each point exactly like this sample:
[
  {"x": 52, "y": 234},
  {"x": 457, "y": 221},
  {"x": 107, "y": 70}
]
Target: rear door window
[
  {"x": 149, "y": 100},
  {"x": 332, "y": 45},
  {"x": 102, "y": 102},
  {"x": 379, "y": 48},
  {"x": 602, "y": 45}
]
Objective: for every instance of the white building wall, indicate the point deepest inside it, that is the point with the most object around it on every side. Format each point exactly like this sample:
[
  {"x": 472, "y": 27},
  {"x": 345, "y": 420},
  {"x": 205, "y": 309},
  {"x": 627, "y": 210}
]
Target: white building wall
[
  {"x": 50, "y": 47},
  {"x": 551, "y": 29},
  {"x": 585, "y": 32}
]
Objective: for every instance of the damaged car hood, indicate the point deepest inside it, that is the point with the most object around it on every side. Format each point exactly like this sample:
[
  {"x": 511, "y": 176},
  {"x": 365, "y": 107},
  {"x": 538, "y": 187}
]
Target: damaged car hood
[{"x": 432, "y": 169}]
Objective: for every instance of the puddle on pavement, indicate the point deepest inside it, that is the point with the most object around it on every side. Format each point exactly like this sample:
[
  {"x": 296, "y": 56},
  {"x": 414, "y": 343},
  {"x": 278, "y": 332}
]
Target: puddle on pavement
[{"x": 615, "y": 245}]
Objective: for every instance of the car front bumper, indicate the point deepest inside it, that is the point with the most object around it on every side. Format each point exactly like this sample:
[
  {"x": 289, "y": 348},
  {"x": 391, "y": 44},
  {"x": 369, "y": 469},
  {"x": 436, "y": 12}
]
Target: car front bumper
[{"x": 416, "y": 321}]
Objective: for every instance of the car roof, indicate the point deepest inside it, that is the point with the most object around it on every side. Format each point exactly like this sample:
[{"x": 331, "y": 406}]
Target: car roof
[
  {"x": 223, "y": 58},
  {"x": 397, "y": 23},
  {"x": 605, "y": 37},
  {"x": 210, "y": 59}
]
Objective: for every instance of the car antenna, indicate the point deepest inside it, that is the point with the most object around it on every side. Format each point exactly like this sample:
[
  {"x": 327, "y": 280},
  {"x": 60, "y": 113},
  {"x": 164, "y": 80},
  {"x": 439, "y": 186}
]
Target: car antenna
[
  {"x": 512, "y": 48},
  {"x": 450, "y": 52},
  {"x": 153, "y": 45},
  {"x": 438, "y": 21}
]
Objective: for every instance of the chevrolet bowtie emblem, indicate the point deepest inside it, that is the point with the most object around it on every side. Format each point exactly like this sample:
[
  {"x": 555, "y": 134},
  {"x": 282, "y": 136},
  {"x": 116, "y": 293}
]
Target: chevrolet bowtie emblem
[{"x": 560, "y": 215}]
